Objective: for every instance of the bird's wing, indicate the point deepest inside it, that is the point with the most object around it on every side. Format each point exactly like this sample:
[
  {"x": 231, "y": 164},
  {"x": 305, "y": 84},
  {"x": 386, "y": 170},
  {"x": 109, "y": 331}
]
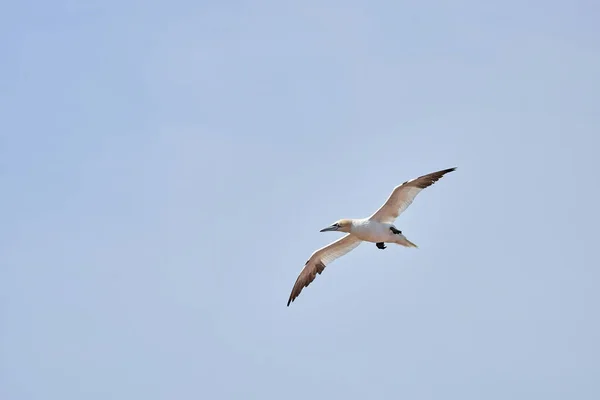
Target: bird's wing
[
  {"x": 403, "y": 195},
  {"x": 319, "y": 259}
]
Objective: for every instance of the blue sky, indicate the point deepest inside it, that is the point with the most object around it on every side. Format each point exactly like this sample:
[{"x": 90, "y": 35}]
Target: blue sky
[{"x": 166, "y": 168}]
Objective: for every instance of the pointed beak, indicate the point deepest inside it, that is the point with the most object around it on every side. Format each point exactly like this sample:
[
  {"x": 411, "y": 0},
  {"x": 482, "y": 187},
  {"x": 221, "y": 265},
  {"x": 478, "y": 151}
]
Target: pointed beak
[{"x": 329, "y": 228}]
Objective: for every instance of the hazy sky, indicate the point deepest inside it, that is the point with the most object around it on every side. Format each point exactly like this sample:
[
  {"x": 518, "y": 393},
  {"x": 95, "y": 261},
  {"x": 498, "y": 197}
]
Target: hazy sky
[{"x": 166, "y": 167}]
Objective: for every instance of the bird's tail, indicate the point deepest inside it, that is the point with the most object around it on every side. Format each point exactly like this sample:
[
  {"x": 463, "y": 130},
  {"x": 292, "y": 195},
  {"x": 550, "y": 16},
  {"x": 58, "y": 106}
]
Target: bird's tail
[{"x": 403, "y": 241}]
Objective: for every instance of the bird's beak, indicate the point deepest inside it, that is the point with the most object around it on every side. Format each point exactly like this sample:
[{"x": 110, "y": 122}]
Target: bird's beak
[{"x": 329, "y": 228}]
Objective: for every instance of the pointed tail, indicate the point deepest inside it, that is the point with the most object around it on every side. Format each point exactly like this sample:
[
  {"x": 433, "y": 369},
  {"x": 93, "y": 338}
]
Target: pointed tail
[{"x": 403, "y": 241}]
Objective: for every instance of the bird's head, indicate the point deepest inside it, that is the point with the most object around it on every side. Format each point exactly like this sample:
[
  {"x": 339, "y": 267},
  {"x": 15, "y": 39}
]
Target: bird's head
[{"x": 342, "y": 225}]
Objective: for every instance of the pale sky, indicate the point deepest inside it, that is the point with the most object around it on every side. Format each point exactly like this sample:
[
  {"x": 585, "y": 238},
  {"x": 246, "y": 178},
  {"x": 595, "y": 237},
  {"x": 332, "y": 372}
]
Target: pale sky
[{"x": 166, "y": 168}]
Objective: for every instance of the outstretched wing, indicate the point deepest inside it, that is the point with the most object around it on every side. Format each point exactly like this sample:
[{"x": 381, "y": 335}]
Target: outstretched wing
[
  {"x": 403, "y": 195},
  {"x": 321, "y": 258}
]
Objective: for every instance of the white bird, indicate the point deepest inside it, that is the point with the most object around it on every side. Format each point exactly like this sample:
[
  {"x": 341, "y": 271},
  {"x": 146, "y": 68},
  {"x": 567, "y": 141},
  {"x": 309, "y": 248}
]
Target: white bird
[{"x": 378, "y": 228}]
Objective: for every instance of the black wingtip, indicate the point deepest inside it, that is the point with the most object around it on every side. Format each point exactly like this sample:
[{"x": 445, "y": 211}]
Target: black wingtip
[{"x": 447, "y": 170}]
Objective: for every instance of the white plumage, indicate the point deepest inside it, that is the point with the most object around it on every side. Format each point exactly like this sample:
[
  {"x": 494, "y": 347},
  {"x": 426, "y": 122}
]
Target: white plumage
[{"x": 378, "y": 228}]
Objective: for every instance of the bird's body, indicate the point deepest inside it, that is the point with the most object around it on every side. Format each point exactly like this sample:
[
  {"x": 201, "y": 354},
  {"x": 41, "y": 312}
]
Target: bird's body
[
  {"x": 374, "y": 231},
  {"x": 378, "y": 228}
]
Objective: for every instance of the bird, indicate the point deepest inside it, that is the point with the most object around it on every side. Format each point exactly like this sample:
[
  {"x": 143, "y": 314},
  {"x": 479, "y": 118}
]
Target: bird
[{"x": 378, "y": 228}]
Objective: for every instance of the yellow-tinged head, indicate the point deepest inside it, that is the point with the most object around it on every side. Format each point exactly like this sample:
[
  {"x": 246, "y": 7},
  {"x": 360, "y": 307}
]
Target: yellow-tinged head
[{"x": 342, "y": 225}]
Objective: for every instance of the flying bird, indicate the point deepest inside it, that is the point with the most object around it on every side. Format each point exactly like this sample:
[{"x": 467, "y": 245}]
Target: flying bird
[{"x": 378, "y": 228}]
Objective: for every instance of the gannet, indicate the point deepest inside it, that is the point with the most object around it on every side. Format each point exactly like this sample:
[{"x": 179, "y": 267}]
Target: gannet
[{"x": 378, "y": 228}]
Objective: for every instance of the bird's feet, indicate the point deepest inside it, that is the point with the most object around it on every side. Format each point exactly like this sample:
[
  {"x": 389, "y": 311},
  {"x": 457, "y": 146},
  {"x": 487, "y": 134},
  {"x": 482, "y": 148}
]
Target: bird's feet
[
  {"x": 395, "y": 231},
  {"x": 380, "y": 245}
]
